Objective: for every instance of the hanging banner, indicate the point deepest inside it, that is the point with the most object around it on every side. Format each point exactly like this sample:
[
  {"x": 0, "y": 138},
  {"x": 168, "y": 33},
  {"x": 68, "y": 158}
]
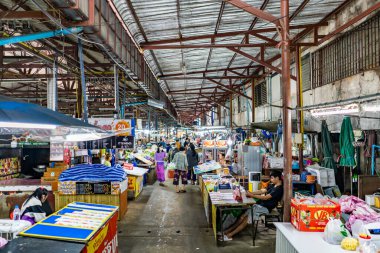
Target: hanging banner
[
  {"x": 122, "y": 127},
  {"x": 125, "y": 142}
]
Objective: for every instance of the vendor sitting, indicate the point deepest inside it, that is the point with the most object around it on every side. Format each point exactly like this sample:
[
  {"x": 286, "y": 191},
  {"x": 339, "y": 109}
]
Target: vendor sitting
[
  {"x": 31, "y": 209},
  {"x": 108, "y": 159},
  {"x": 268, "y": 199}
]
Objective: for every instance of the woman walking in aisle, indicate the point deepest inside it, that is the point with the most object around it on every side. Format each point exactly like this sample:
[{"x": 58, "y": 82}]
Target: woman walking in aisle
[
  {"x": 159, "y": 157},
  {"x": 181, "y": 164},
  {"x": 193, "y": 160}
]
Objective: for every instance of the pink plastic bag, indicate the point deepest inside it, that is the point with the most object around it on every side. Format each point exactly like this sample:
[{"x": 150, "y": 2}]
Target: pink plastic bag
[
  {"x": 3, "y": 242},
  {"x": 359, "y": 210}
]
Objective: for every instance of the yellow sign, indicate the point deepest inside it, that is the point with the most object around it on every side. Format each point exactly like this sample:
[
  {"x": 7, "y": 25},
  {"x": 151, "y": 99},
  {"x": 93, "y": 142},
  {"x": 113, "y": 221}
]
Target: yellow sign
[{"x": 94, "y": 244}]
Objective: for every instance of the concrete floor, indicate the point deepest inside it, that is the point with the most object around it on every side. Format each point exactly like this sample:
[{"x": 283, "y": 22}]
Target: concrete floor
[{"x": 163, "y": 221}]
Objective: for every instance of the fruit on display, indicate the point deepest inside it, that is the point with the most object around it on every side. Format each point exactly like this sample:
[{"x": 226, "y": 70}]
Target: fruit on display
[
  {"x": 349, "y": 243},
  {"x": 364, "y": 236}
]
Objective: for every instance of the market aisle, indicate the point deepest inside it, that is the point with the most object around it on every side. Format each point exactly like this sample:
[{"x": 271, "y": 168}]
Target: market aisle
[{"x": 163, "y": 221}]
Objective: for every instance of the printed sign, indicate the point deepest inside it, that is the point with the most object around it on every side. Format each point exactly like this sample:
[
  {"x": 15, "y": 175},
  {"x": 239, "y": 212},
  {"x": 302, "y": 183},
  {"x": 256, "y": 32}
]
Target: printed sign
[
  {"x": 122, "y": 127},
  {"x": 105, "y": 241},
  {"x": 125, "y": 142}
]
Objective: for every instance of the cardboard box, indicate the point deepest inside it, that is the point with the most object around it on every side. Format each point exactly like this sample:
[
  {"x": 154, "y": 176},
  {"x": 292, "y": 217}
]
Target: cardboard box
[{"x": 312, "y": 218}]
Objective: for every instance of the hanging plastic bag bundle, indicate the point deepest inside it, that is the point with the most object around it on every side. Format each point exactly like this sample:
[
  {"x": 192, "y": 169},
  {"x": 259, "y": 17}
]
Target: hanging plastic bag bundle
[{"x": 335, "y": 232}]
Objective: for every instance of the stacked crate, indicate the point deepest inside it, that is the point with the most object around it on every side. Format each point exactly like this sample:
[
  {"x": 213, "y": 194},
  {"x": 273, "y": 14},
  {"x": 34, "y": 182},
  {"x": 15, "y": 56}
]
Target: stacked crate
[{"x": 52, "y": 174}]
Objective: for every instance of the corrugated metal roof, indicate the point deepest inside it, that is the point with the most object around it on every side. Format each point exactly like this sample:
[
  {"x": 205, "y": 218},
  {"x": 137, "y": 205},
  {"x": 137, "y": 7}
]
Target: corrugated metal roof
[{"x": 161, "y": 20}]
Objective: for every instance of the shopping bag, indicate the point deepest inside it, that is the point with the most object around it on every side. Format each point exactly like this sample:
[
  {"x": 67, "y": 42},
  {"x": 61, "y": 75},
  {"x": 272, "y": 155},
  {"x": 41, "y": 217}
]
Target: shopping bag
[
  {"x": 335, "y": 232},
  {"x": 171, "y": 166}
]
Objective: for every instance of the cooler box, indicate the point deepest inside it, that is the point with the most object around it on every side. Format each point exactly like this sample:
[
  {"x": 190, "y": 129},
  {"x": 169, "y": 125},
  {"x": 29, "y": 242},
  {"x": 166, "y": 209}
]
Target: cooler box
[{"x": 312, "y": 217}]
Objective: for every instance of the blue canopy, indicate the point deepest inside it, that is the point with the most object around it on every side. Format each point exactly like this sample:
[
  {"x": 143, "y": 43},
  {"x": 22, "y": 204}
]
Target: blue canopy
[{"x": 12, "y": 110}]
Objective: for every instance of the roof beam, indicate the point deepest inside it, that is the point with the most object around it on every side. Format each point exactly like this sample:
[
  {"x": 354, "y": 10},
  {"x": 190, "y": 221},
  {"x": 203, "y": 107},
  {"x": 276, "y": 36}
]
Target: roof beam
[
  {"x": 206, "y": 71},
  {"x": 10, "y": 15},
  {"x": 254, "y": 11},
  {"x": 261, "y": 62},
  {"x": 164, "y": 47},
  {"x": 227, "y": 34},
  {"x": 205, "y": 77},
  {"x": 213, "y": 101},
  {"x": 224, "y": 87},
  {"x": 350, "y": 22}
]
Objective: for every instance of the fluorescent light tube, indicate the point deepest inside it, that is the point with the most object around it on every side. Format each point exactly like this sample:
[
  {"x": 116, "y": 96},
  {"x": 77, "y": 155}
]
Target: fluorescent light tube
[
  {"x": 26, "y": 125},
  {"x": 337, "y": 110},
  {"x": 371, "y": 108}
]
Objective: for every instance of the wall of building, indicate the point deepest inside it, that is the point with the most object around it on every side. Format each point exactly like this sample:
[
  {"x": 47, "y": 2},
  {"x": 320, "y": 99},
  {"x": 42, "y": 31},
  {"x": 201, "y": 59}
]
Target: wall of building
[{"x": 363, "y": 84}]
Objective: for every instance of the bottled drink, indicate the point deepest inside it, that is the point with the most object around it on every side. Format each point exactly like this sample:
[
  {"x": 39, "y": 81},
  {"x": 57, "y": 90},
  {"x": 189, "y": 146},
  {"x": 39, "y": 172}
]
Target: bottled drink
[{"x": 16, "y": 213}]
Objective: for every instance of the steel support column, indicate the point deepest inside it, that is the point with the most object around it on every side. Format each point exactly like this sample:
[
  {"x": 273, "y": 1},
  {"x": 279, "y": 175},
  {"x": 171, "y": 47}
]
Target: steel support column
[
  {"x": 231, "y": 118},
  {"x": 52, "y": 89},
  {"x": 220, "y": 115},
  {"x": 124, "y": 98},
  {"x": 155, "y": 125},
  {"x": 300, "y": 105},
  {"x": 83, "y": 82},
  {"x": 286, "y": 103},
  {"x": 253, "y": 100},
  {"x": 116, "y": 90},
  {"x": 149, "y": 123}
]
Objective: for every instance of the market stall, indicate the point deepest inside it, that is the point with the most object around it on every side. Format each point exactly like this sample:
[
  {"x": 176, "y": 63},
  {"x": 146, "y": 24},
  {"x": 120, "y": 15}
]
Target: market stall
[
  {"x": 219, "y": 196},
  {"x": 135, "y": 179},
  {"x": 78, "y": 227},
  {"x": 93, "y": 184}
]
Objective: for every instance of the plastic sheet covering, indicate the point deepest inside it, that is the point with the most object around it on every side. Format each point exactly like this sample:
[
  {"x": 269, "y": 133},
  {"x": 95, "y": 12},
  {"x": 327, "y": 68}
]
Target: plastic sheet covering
[{"x": 93, "y": 173}]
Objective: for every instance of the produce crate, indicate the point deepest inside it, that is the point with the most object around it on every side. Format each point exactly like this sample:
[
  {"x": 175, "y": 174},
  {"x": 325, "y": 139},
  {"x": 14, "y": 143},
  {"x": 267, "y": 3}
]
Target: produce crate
[{"x": 313, "y": 217}]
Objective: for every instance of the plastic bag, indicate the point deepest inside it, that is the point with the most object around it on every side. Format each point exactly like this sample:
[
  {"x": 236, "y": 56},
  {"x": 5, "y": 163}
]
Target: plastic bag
[
  {"x": 171, "y": 166},
  {"x": 335, "y": 232},
  {"x": 358, "y": 228}
]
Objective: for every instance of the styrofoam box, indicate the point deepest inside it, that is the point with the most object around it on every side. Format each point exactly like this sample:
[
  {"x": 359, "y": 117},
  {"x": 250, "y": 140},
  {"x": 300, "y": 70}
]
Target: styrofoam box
[
  {"x": 321, "y": 175},
  {"x": 330, "y": 177}
]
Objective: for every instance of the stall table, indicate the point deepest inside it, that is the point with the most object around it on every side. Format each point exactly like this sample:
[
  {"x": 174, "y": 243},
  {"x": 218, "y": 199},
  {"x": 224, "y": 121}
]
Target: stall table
[
  {"x": 92, "y": 225},
  {"x": 227, "y": 203},
  {"x": 135, "y": 181},
  {"x": 290, "y": 240},
  {"x": 35, "y": 245}
]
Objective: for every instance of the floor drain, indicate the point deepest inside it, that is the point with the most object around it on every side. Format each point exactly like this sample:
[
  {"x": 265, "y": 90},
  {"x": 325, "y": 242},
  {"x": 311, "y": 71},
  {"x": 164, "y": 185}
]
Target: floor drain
[
  {"x": 149, "y": 231},
  {"x": 207, "y": 231},
  {"x": 178, "y": 231}
]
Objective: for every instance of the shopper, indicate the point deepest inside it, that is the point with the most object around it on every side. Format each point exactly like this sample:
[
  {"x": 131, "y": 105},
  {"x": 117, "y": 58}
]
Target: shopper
[
  {"x": 31, "y": 209},
  {"x": 174, "y": 151},
  {"x": 181, "y": 164},
  {"x": 267, "y": 200},
  {"x": 162, "y": 143},
  {"x": 193, "y": 160},
  {"x": 159, "y": 158},
  {"x": 186, "y": 143},
  {"x": 107, "y": 161}
]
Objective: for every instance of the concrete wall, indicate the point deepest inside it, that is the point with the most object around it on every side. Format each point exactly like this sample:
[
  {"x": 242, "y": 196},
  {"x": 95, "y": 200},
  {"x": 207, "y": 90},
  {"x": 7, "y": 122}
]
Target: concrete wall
[{"x": 363, "y": 84}]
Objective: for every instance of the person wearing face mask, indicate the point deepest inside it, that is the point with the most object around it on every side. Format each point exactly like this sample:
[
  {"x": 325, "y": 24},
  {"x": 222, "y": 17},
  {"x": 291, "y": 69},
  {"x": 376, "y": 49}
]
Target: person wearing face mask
[{"x": 159, "y": 157}]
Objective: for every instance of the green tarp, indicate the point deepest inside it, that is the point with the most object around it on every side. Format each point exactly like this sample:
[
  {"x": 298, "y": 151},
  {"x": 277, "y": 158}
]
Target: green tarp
[
  {"x": 346, "y": 140},
  {"x": 328, "y": 161}
]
